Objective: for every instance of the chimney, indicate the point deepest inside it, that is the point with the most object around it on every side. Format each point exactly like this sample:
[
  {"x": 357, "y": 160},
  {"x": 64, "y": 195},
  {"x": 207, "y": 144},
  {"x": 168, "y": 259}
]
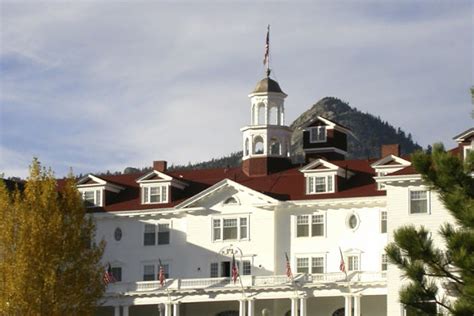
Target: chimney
[
  {"x": 160, "y": 165},
  {"x": 392, "y": 149}
]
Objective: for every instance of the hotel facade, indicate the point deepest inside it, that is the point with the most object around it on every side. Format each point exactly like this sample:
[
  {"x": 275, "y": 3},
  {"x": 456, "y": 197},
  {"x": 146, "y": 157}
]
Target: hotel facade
[{"x": 327, "y": 219}]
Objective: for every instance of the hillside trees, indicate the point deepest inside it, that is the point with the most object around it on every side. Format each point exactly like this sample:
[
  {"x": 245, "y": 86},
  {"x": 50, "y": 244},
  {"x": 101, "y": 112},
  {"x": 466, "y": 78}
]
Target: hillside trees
[
  {"x": 48, "y": 264},
  {"x": 428, "y": 266}
]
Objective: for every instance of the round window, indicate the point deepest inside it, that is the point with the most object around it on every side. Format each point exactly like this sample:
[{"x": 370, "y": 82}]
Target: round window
[
  {"x": 353, "y": 221},
  {"x": 118, "y": 234}
]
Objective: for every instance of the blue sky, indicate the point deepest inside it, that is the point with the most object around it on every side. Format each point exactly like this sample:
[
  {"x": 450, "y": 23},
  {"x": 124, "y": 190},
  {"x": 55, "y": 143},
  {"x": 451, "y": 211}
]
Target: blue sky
[{"x": 102, "y": 85}]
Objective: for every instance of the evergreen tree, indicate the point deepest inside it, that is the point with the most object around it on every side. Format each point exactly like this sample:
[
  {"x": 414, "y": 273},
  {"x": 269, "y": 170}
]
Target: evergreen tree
[
  {"x": 48, "y": 265},
  {"x": 429, "y": 267}
]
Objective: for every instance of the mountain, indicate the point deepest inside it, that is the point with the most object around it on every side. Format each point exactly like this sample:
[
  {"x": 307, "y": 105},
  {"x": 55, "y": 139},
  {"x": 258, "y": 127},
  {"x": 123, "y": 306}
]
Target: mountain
[{"x": 370, "y": 134}]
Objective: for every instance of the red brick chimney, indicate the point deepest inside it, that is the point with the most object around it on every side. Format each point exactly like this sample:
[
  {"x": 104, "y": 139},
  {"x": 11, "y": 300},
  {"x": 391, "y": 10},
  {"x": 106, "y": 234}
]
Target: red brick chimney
[
  {"x": 392, "y": 149},
  {"x": 160, "y": 165}
]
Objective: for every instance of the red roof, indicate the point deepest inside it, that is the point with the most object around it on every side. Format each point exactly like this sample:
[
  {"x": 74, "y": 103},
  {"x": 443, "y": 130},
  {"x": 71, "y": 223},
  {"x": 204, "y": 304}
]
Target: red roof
[{"x": 283, "y": 186}]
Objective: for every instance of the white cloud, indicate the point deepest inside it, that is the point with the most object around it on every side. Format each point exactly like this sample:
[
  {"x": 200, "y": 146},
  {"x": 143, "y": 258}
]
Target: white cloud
[{"x": 101, "y": 85}]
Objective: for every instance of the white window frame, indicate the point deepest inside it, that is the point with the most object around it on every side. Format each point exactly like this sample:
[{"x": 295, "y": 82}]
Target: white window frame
[
  {"x": 349, "y": 264},
  {"x": 146, "y": 193},
  {"x": 238, "y": 218},
  {"x": 117, "y": 266},
  {"x": 156, "y": 269},
  {"x": 157, "y": 230},
  {"x": 310, "y": 225},
  {"x": 381, "y": 186},
  {"x": 466, "y": 150},
  {"x": 428, "y": 201},
  {"x": 329, "y": 183},
  {"x": 309, "y": 260},
  {"x": 383, "y": 262},
  {"x": 98, "y": 196},
  {"x": 321, "y": 134}
]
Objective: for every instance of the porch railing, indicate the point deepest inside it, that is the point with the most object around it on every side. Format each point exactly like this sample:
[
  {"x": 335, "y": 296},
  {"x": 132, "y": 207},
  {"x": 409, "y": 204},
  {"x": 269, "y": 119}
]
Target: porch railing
[{"x": 247, "y": 281}]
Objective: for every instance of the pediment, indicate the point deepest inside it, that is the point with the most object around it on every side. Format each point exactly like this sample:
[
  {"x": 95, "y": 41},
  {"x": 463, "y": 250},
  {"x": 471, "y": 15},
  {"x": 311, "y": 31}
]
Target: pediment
[
  {"x": 154, "y": 176},
  {"x": 219, "y": 194},
  {"x": 390, "y": 161},
  {"x": 92, "y": 181},
  {"x": 319, "y": 165}
]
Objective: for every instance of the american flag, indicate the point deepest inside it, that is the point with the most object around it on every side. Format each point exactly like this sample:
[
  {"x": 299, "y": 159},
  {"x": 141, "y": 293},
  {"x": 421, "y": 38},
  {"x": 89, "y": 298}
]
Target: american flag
[
  {"x": 235, "y": 271},
  {"x": 108, "y": 276},
  {"x": 161, "y": 274},
  {"x": 267, "y": 47},
  {"x": 288, "y": 267},
  {"x": 342, "y": 265}
]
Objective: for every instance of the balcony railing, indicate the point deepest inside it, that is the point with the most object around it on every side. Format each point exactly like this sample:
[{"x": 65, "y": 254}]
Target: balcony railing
[{"x": 247, "y": 281}]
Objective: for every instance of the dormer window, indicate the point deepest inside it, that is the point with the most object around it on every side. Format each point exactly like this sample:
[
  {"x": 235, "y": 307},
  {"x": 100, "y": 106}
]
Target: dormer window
[
  {"x": 154, "y": 194},
  {"x": 92, "y": 198},
  {"x": 317, "y": 134},
  {"x": 320, "y": 184}
]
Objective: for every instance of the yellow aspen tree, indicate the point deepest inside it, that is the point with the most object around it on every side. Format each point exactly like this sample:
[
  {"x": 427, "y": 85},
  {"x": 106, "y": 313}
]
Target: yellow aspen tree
[{"x": 49, "y": 263}]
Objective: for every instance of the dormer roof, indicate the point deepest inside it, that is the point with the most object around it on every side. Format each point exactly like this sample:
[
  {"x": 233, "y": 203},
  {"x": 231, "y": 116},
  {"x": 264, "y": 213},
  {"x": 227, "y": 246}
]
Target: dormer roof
[
  {"x": 328, "y": 123},
  {"x": 390, "y": 161},
  {"x": 155, "y": 176},
  {"x": 464, "y": 136},
  {"x": 90, "y": 181},
  {"x": 319, "y": 165}
]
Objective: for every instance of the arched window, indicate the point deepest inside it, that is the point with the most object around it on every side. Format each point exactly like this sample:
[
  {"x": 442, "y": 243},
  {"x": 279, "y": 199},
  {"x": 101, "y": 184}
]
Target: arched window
[
  {"x": 273, "y": 115},
  {"x": 258, "y": 145},
  {"x": 261, "y": 114},
  {"x": 275, "y": 147},
  {"x": 246, "y": 147},
  {"x": 231, "y": 200}
]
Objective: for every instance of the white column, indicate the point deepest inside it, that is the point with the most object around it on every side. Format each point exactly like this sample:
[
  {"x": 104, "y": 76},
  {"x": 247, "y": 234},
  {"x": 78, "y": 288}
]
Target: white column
[
  {"x": 294, "y": 306},
  {"x": 356, "y": 305},
  {"x": 241, "y": 308},
  {"x": 348, "y": 306},
  {"x": 303, "y": 306},
  {"x": 176, "y": 309},
  {"x": 125, "y": 310},
  {"x": 251, "y": 307},
  {"x": 116, "y": 310},
  {"x": 167, "y": 309}
]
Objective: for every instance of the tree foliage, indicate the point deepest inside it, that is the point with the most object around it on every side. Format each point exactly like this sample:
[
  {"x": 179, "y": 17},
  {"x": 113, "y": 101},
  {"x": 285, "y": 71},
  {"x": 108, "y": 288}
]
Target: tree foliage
[
  {"x": 48, "y": 265},
  {"x": 443, "y": 274}
]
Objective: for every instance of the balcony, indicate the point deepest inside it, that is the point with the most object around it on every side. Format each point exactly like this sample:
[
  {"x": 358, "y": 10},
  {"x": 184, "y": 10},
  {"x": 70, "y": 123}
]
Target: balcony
[{"x": 246, "y": 281}]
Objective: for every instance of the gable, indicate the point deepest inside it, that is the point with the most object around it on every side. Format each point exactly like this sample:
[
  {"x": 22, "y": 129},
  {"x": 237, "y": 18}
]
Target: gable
[
  {"x": 390, "y": 161},
  {"x": 221, "y": 191}
]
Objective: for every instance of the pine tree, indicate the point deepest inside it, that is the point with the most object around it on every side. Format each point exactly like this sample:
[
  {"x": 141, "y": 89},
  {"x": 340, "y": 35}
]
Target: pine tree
[
  {"x": 449, "y": 267},
  {"x": 48, "y": 264}
]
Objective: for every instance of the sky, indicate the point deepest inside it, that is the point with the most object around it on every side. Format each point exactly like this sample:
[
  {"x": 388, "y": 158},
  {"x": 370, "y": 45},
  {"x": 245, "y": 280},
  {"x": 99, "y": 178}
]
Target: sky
[{"x": 103, "y": 85}]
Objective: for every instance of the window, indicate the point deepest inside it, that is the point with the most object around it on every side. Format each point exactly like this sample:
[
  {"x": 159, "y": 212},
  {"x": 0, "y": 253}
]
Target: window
[
  {"x": 118, "y": 234},
  {"x": 117, "y": 273},
  {"x": 214, "y": 270},
  {"x": 353, "y": 263},
  {"x": 467, "y": 150},
  {"x": 275, "y": 147},
  {"x": 92, "y": 198},
  {"x": 319, "y": 184},
  {"x": 418, "y": 202},
  {"x": 384, "y": 262},
  {"x": 149, "y": 236},
  {"x": 304, "y": 229},
  {"x": 353, "y": 221},
  {"x": 317, "y": 228},
  {"x": 258, "y": 145},
  {"x": 246, "y": 267},
  {"x": 317, "y": 265},
  {"x": 156, "y": 234},
  {"x": 317, "y": 134},
  {"x": 383, "y": 222},
  {"x": 163, "y": 234},
  {"x": 151, "y": 271},
  {"x": 302, "y": 265},
  {"x": 155, "y": 194},
  {"x": 236, "y": 228}
]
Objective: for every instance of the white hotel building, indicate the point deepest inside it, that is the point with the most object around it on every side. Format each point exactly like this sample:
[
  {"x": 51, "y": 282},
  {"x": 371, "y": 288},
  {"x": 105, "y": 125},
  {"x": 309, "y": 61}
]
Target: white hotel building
[{"x": 195, "y": 221}]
